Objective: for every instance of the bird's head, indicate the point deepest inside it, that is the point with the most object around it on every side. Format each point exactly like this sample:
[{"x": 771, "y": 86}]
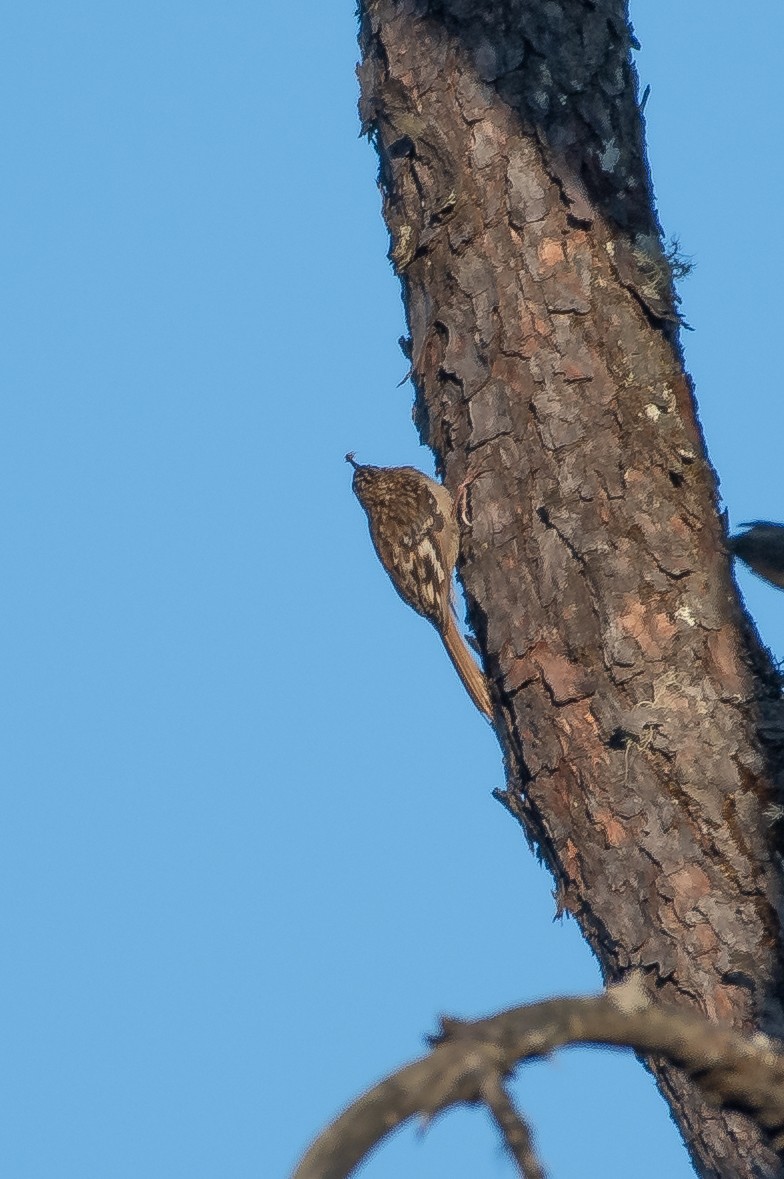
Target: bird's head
[{"x": 364, "y": 476}]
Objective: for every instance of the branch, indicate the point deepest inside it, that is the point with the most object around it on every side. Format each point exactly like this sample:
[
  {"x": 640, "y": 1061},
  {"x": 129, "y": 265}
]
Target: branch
[
  {"x": 469, "y": 1061},
  {"x": 515, "y": 1131}
]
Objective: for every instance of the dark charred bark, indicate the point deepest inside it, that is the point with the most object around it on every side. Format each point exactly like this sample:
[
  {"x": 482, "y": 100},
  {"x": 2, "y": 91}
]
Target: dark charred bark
[{"x": 641, "y": 721}]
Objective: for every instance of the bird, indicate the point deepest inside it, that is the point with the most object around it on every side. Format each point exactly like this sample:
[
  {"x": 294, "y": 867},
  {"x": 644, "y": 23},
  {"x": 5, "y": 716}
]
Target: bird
[
  {"x": 414, "y": 529},
  {"x": 762, "y": 549}
]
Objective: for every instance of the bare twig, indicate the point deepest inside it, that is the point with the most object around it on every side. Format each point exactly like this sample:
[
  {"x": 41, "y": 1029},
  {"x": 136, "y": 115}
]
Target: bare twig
[{"x": 514, "y": 1128}]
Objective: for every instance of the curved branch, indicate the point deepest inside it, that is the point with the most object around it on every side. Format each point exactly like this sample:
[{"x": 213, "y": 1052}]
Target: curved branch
[{"x": 469, "y": 1059}]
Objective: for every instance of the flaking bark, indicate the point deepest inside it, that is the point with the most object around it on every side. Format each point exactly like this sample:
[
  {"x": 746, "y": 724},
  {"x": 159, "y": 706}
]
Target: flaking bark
[{"x": 642, "y": 721}]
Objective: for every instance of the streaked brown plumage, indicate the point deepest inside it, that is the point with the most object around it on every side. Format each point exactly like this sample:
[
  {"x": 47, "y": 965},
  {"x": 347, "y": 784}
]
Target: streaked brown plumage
[{"x": 415, "y": 533}]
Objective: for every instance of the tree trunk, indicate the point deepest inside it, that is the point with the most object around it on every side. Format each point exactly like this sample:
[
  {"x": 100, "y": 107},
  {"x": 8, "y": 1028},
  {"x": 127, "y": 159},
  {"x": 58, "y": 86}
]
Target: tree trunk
[{"x": 640, "y": 718}]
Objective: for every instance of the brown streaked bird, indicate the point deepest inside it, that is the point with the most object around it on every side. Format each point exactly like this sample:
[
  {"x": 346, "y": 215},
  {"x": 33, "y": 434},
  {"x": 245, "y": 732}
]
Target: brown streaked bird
[
  {"x": 762, "y": 549},
  {"x": 414, "y": 530}
]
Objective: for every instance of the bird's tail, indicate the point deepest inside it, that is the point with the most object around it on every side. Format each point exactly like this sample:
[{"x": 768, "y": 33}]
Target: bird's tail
[{"x": 470, "y": 673}]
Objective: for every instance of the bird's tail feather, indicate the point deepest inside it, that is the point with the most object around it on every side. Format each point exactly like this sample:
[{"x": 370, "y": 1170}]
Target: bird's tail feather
[{"x": 470, "y": 673}]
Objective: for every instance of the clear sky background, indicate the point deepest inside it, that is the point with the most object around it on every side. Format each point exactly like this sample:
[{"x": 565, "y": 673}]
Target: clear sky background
[{"x": 242, "y": 867}]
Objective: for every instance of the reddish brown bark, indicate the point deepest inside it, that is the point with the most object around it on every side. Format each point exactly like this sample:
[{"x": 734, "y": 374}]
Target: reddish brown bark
[{"x": 641, "y": 722}]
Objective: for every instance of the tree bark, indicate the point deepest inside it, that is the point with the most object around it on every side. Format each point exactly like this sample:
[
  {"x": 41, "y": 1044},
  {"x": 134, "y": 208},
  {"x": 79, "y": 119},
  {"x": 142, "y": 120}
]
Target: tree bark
[{"x": 640, "y": 718}]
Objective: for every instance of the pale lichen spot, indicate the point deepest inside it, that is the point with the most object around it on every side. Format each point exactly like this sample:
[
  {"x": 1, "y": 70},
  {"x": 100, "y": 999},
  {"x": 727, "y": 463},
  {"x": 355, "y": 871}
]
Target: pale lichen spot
[
  {"x": 610, "y": 156},
  {"x": 630, "y": 995}
]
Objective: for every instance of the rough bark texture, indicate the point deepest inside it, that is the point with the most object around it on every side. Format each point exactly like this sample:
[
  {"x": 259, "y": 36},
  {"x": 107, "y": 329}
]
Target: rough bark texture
[{"x": 641, "y": 721}]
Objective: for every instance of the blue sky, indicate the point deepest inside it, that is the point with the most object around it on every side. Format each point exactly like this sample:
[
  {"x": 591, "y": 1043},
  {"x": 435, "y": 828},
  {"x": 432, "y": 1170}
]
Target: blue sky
[{"x": 242, "y": 868}]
